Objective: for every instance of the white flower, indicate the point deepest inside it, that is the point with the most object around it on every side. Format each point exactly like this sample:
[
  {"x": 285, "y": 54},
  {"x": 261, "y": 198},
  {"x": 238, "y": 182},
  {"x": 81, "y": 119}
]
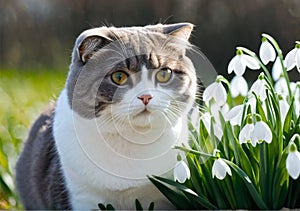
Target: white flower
[
  {"x": 297, "y": 98},
  {"x": 217, "y": 92},
  {"x": 234, "y": 115},
  {"x": 277, "y": 69},
  {"x": 220, "y": 169},
  {"x": 261, "y": 132},
  {"x": 292, "y": 59},
  {"x": 284, "y": 107},
  {"x": 293, "y": 162},
  {"x": 259, "y": 88},
  {"x": 266, "y": 52},
  {"x": 239, "y": 63},
  {"x": 245, "y": 135},
  {"x": 238, "y": 86},
  {"x": 281, "y": 87},
  {"x": 252, "y": 102},
  {"x": 181, "y": 172},
  {"x": 218, "y": 132},
  {"x": 255, "y": 133}
]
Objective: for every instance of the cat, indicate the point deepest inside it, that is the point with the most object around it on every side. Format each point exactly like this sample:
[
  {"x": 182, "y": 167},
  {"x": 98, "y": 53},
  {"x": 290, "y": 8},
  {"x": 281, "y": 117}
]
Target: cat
[{"x": 124, "y": 107}]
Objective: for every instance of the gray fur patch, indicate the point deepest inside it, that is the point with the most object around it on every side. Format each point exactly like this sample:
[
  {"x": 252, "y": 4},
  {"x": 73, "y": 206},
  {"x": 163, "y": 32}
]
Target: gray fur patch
[{"x": 39, "y": 177}]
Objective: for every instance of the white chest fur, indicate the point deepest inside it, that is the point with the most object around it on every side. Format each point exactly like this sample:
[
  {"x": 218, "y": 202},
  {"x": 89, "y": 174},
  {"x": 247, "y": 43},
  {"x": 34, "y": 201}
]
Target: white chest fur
[{"x": 100, "y": 164}]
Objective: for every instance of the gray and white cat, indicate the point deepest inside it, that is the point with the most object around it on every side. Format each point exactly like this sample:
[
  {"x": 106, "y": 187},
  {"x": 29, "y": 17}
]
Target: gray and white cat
[{"x": 123, "y": 109}]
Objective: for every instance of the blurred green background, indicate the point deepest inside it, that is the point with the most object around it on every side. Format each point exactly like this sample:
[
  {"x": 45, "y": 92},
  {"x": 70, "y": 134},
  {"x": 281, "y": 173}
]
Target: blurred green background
[{"x": 37, "y": 36}]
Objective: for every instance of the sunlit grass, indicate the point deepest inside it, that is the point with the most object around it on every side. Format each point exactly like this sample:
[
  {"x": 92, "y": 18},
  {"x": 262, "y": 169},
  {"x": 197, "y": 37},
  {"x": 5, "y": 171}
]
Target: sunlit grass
[{"x": 23, "y": 95}]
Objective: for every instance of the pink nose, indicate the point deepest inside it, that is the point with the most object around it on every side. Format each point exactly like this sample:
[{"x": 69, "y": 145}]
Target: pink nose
[{"x": 145, "y": 98}]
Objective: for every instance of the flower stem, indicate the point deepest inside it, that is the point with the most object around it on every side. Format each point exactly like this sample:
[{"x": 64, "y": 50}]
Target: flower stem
[{"x": 195, "y": 152}]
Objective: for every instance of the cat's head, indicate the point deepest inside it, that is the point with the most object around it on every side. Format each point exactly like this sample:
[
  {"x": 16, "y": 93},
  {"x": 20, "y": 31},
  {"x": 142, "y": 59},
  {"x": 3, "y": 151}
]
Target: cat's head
[{"x": 132, "y": 74}]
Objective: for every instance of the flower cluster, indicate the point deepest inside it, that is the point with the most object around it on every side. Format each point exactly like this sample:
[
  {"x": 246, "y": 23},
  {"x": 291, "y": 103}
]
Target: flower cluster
[{"x": 250, "y": 133}]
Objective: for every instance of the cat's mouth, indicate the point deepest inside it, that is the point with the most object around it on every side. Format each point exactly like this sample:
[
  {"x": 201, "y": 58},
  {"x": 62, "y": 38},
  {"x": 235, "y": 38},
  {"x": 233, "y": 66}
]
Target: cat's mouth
[{"x": 145, "y": 112}]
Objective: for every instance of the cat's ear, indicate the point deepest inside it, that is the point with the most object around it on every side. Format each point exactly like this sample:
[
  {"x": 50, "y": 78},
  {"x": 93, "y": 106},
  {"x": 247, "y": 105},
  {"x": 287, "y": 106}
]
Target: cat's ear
[
  {"x": 91, "y": 41},
  {"x": 179, "y": 30}
]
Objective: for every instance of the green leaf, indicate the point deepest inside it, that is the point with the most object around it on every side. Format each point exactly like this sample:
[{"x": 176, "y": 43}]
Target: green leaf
[
  {"x": 176, "y": 198},
  {"x": 280, "y": 182},
  {"x": 247, "y": 181},
  {"x": 188, "y": 192},
  {"x": 288, "y": 118}
]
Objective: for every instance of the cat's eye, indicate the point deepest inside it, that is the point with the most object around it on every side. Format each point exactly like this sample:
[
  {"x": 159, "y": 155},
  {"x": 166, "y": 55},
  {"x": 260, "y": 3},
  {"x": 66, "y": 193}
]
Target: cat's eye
[
  {"x": 164, "y": 75},
  {"x": 119, "y": 77}
]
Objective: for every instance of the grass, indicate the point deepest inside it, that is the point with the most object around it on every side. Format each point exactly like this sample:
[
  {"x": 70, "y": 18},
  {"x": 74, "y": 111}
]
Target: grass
[{"x": 23, "y": 95}]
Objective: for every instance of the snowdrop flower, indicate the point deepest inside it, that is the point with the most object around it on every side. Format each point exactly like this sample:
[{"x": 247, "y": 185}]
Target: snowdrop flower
[
  {"x": 277, "y": 69},
  {"x": 259, "y": 87},
  {"x": 281, "y": 88},
  {"x": 217, "y": 92},
  {"x": 245, "y": 135},
  {"x": 261, "y": 132},
  {"x": 218, "y": 132},
  {"x": 292, "y": 59},
  {"x": 266, "y": 52},
  {"x": 181, "y": 172},
  {"x": 293, "y": 160},
  {"x": 234, "y": 115},
  {"x": 238, "y": 86},
  {"x": 239, "y": 63},
  {"x": 255, "y": 133},
  {"x": 220, "y": 169},
  {"x": 297, "y": 98}
]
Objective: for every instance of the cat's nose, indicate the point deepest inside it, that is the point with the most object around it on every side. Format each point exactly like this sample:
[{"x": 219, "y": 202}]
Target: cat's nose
[{"x": 145, "y": 98}]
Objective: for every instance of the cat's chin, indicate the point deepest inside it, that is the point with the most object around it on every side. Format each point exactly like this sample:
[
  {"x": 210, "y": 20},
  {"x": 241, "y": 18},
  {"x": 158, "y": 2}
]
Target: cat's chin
[{"x": 147, "y": 119}]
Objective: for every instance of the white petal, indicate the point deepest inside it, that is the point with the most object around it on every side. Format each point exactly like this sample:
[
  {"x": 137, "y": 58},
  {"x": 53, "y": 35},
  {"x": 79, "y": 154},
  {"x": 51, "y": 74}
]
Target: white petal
[
  {"x": 246, "y": 133},
  {"x": 266, "y": 52},
  {"x": 231, "y": 64},
  {"x": 281, "y": 87},
  {"x": 220, "y": 169},
  {"x": 293, "y": 86},
  {"x": 218, "y": 131},
  {"x": 181, "y": 172},
  {"x": 252, "y": 102},
  {"x": 195, "y": 116},
  {"x": 259, "y": 88},
  {"x": 238, "y": 86},
  {"x": 293, "y": 164},
  {"x": 276, "y": 69},
  {"x": 290, "y": 59},
  {"x": 206, "y": 119},
  {"x": 250, "y": 62},
  {"x": 243, "y": 86},
  {"x": 220, "y": 94},
  {"x": 208, "y": 92},
  {"x": 284, "y": 107},
  {"x": 240, "y": 66},
  {"x": 234, "y": 87},
  {"x": 262, "y": 132},
  {"x": 298, "y": 59},
  {"x": 235, "y": 115}
]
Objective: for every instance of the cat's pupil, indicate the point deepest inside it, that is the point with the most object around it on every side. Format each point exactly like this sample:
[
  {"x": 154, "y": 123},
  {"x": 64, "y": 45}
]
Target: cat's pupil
[{"x": 119, "y": 76}]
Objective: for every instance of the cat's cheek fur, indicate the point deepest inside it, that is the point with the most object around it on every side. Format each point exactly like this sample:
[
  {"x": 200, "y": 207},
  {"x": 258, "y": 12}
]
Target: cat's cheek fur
[{"x": 96, "y": 172}]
